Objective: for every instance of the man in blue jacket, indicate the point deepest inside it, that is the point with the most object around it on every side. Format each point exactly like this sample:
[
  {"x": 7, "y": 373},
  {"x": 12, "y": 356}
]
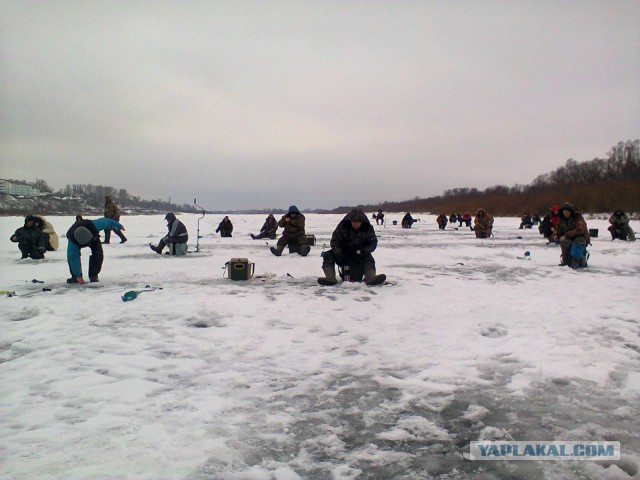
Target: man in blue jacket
[{"x": 85, "y": 233}]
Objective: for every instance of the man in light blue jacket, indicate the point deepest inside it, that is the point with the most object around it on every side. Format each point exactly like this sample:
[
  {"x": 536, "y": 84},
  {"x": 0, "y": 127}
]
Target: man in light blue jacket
[{"x": 85, "y": 233}]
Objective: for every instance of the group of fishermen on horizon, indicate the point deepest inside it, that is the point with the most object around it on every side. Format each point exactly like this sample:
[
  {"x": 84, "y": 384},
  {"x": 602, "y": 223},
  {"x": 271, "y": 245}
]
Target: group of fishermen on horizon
[{"x": 352, "y": 242}]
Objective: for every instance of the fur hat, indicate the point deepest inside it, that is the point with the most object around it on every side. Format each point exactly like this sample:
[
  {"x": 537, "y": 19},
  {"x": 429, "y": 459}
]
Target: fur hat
[{"x": 568, "y": 206}]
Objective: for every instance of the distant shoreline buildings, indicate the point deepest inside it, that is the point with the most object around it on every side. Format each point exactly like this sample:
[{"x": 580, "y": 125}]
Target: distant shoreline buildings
[{"x": 16, "y": 187}]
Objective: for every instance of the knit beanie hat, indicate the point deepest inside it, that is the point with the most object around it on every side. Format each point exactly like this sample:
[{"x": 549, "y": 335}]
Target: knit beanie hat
[{"x": 83, "y": 236}]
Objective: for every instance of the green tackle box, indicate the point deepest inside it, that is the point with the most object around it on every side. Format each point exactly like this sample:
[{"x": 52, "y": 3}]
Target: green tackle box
[{"x": 239, "y": 269}]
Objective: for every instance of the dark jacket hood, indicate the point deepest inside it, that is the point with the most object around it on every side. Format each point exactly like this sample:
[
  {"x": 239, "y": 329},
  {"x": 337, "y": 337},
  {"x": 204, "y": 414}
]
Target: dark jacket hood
[{"x": 357, "y": 215}]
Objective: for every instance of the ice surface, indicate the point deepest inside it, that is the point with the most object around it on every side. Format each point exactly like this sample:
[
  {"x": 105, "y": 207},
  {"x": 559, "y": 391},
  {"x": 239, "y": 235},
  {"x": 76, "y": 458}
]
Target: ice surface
[{"x": 279, "y": 378}]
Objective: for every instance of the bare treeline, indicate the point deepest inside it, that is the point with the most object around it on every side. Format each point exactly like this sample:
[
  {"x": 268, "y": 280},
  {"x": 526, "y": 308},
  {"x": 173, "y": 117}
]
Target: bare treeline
[
  {"x": 598, "y": 185},
  {"x": 95, "y": 195}
]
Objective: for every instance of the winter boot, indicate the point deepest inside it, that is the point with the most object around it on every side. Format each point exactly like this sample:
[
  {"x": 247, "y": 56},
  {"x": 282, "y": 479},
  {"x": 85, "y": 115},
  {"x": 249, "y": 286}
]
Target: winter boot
[
  {"x": 253, "y": 236},
  {"x": 94, "y": 279},
  {"x": 329, "y": 276},
  {"x": 121, "y": 235},
  {"x": 370, "y": 277},
  {"x": 304, "y": 249},
  {"x": 277, "y": 251},
  {"x": 154, "y": 248}
]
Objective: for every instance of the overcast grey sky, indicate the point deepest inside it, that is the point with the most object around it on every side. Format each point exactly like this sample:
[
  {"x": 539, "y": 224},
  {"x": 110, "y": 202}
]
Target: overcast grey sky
[{"x": 252, "y": 104}]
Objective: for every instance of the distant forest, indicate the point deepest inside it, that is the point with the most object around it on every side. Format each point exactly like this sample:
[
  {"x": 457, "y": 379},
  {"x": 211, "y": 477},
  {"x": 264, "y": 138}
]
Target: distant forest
[
  {"x": 595, "y": 186},
  {"x": 598, "y": 185}
]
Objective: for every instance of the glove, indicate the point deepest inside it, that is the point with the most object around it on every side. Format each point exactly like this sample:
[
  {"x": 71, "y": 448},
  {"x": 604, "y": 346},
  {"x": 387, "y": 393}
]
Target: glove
[{"x": 349, "y": 246}]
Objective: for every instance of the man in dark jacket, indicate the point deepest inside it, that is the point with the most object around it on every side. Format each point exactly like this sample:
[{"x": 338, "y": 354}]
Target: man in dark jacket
[
  {"x": 225, "y": 227},
  {"x": 352, "y": 243},
  {"x": 526, "y": 221},
  {"x": 268, "y": 230},
  {"x": 31, "y": 240},
  {"x": 85, "y": 233},
  {"x": 573, "y": 235},
  {"x": 380, "y": 218},
  {"x": 620, "y": 228},
  {"x": 407, "y": 220},
  {"x": 293, "y": 224},
  {"x": 176, "y": 238},
  {"x": 442, "y": 221},
  {"x": 112, "y": 211},
  {"x": 549, "y": 223}
]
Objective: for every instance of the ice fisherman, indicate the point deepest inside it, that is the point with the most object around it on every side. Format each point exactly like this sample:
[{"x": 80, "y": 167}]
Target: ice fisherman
[
  {"x": 549, "y": 223},
  {"x": 483, "y": 224},
  {"x": 442, "y": 221},
  {"x": 268, "y": 230},
  {"x": 176, "y": 238},
  {"x": 85, "y": 233},
  {"x": 407, "y": 220},
  {"x": 225, "y": 227},
  {"x": 573, "y": 235},
  {"x": 352, "y": 243},
  {"x": 466, "y": 219},
  {"x": 620, "y": 228},
  {"x": 31, "y": 239},
  {"x": 526, "y": 221},
  {"x": 112, "y": 211},
  {"x": 293, "y": 223}
]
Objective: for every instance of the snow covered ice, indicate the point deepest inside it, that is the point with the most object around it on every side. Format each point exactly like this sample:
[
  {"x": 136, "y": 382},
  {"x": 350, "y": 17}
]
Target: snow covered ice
[{"x": 280, "y": 378}]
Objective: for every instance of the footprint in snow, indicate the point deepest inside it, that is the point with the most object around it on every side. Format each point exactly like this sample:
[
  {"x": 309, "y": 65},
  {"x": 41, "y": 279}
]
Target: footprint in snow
[
  {"x": 206, "y": 321},
  {"x": 496, "y": 330},
  {"x": 363, "y": 299}
]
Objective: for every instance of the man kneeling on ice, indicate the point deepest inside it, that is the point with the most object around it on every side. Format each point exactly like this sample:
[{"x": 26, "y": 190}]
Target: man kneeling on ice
[
  {"x": 351, "y": 245},
  {"x": 85, "y": 233}
]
